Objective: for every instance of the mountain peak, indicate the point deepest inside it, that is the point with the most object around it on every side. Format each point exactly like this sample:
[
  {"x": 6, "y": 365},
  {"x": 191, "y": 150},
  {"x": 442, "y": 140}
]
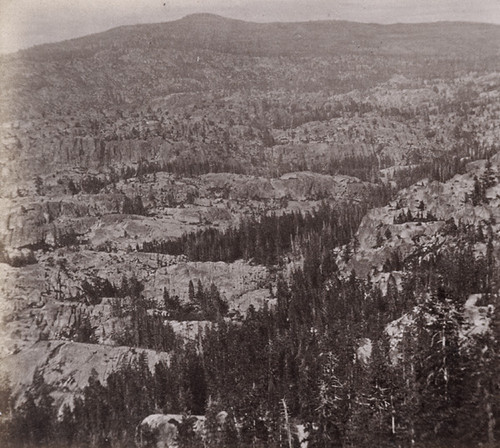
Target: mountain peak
[
  {"x": 206, "y": 17},
  {"x": 203, "y": 15}
]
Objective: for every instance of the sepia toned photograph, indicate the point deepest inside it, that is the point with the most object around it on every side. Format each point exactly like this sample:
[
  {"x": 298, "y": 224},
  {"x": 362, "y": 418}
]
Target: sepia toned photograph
[{"x": 249, "y": 224}]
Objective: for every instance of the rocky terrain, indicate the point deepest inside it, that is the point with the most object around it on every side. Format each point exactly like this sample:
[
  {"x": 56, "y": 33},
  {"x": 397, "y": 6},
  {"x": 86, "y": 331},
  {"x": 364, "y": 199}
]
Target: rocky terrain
[
  {"x": 162, "y": 183},
  {"x": 417, "y": 223}
]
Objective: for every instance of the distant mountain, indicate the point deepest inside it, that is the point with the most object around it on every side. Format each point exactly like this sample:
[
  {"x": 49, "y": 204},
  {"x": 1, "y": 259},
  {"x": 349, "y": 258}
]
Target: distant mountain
[
  {"x": 131, "y": 65},
  {"x": 216, "y": 33}
]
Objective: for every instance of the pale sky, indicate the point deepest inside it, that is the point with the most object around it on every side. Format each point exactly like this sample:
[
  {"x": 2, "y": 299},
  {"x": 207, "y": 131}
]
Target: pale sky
[{"x": 24, "y": 23}]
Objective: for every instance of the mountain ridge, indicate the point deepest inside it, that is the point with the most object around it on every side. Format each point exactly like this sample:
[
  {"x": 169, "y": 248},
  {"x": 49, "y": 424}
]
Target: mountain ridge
[
  {"x": 204, "y": 19},
  {"x": 132, "y": 65}
]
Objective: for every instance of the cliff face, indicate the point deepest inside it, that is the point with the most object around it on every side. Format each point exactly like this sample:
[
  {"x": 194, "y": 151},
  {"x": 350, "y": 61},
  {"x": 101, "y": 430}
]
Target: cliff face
[
  {"x": 54, "y": 298},
  {"x": 421, "y": 220},
  {"x": 28, "y": 157},
  {"x": 67, "y": 366},
  {"x": 57, "y": 219}
]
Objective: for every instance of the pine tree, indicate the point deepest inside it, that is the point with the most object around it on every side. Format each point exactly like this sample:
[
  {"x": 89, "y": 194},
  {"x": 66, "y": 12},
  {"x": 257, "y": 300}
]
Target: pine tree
[
  {"x": 34, "y": 421},
  {"x": 439, "y": 367},
  {"x": 191, "y": 291},
  {"x": 332, "y": 404},
  {"x": 406, "y": 402},
  {"x": 478, "y": 194},
  {"x": 488, "y": 178},
  {"x": 482, "y": 370},
  {"x": 6, "y": 411},
  {"x": 66, "y": 427}
]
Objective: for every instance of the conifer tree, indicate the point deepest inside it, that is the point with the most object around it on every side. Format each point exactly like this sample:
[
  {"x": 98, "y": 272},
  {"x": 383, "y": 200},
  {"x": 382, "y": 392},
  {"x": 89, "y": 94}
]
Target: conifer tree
[{"x": 440, "y": 366}]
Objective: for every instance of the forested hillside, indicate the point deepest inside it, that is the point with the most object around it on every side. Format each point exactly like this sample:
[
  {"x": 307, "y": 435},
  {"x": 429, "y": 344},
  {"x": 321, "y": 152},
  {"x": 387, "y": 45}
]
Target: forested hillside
[{"x": 258, "y": 235}]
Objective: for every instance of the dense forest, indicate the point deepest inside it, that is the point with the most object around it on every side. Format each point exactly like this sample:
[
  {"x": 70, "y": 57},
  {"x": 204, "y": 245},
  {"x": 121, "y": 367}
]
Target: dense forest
[
  {"x": 266, "y": 239},
  {"x": 433, "y": 386}
]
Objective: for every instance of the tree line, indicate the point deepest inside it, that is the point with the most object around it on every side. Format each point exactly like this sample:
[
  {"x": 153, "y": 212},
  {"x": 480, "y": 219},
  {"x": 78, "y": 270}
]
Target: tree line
[
  {"x": 265, "y": 240},
  {"x": 436, "y": 386}
]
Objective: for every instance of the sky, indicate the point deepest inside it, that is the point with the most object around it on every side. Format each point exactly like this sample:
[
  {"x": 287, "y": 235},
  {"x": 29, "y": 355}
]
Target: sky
[{"x": 24, "y": 23}]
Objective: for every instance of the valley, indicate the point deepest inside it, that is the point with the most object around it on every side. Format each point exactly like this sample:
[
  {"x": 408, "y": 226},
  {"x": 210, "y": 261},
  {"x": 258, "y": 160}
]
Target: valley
[{"x": 211, "y": 215}]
